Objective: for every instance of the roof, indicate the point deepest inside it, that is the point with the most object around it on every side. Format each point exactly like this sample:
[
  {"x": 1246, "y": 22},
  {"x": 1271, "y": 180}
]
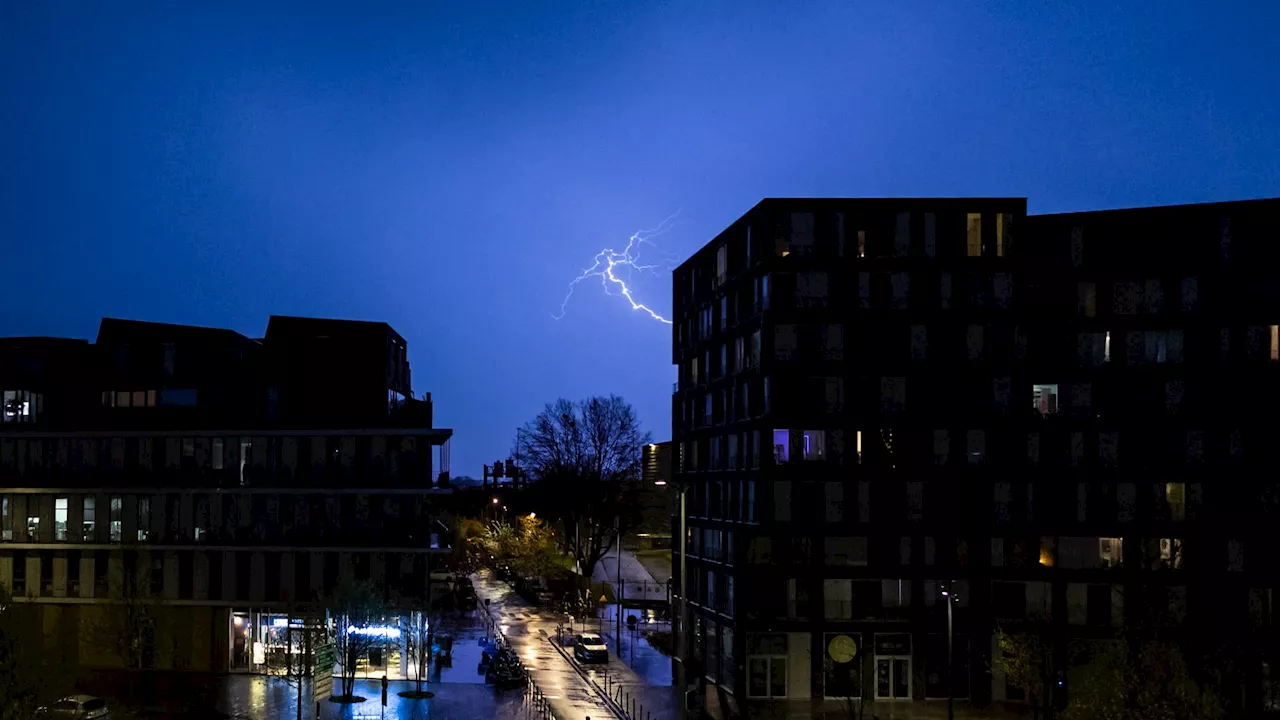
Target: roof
[
  {"x": 115, "y": 330},
  {"x": 281, "y": 327}
]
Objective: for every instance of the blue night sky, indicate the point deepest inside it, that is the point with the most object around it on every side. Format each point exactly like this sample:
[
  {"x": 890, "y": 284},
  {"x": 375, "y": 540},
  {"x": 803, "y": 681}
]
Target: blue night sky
[{"x": 449, "y": 167}]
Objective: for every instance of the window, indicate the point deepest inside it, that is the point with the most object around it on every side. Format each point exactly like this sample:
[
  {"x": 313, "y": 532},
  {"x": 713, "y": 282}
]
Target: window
[
  {"x": 1002, "y": 227},
  {"x": 862, "y": 243},
  {"x": 833, "y": 342},
  {"x": 811, "y": 289},
  {"x": 1125, "y": 300},
  {"x": 919, "y": 342},
  {"x": 857, "y": 434},
  {"x": 721, "y": 265},
  {"x": 801, "y": 233},
  {"x": 1003, "y": 289},
  {"x": 976, "y": 442},
  {"x": 1091, "y": 348},
  {"x": 6, "y": 518},
  {"x": 89, "y": 524},
  {"x": 781, "y": 446},
  {"x": 974, "y": 235},
  {"x": 834, "y": 393},
  {"x": 864, "y": 290},
  {"x": 1235, "y": 555},
  {"x": 895, "y": 593},
  {"x": 837, "y": 599},
  {"x": 1086, "y": 299},
  {"x": 941, "y": 447},
  {"x": 974, "y": 342},
  {"x": 739, "y": 355},
  {"x": 944, "y": 290},
  {"x": 20, "y": 406},
  {"x": 144, "y": 518},
  {"x": 900, "y": 284},
  {"x": 188, "y": 447},
  {"x": 815, "y": 444},
  {"x": 1190, "y": 295},
  {"x": 218, "y": 453},
  {"x": 785, "y": 342},
  {"x": 930, "y": 234},
  {"x": 60, "y": 518},
  {"x": 33, "y": 523},
  {"x": 845, "y": 551},
  {"x": 782, "y": 501},
  {"x": 117, "y": 511},
  {"x": 1044, "y": 399},
  {"x": 893, "y": 394},
  {"x": 902, "y": 235},
  {"x": 1275, "y": 343}
]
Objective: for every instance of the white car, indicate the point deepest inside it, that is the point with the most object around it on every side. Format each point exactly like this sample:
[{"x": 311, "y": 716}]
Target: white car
[
  {"x": 76, "y": 707},
  {"x": 590, "y": 648}
]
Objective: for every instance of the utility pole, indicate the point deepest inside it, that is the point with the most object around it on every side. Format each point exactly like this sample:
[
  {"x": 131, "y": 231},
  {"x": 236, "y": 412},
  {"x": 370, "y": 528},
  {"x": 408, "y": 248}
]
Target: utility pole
[
  {"x": 951, "y": 685},
  {"x": 617, "y": 558}
]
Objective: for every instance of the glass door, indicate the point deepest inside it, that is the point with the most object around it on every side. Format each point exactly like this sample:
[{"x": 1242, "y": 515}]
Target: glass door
[
  {"x": 767, "y": 677},
  {"x": 893, "y": 678}
]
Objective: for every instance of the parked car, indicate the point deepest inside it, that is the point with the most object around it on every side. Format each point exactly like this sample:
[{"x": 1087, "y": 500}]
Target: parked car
[
  {"x": 75, "y": 707},
  {"x": 590, "y": 648}
]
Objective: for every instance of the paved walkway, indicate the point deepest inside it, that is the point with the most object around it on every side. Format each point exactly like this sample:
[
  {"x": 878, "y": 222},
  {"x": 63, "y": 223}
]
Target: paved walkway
[{"x": 528, "y": 630}]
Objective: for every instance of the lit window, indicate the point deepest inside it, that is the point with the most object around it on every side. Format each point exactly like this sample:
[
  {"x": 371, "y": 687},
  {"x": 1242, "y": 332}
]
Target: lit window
[
  {"x": 1001, "y": 225},
  {"x": 1171, "y": 553},
  {"x": 33, "y": 528},
  {"x": 117, "y": 510},
  {"x": 1044, "y": 399},
  {"x": 781, "y": 446},
  {"x": 217, "y": 453},
  {"x": 139, "y": 398},
  {"x": 1111, "y": 552},
  {"x": 144, "y": 518},
  {"x": 124, "y": 399},
  {"x": 975, "y": 234},
  {"x": 815, "y": 444},
  {"x": 60, "y": 518},
  {"x": 858, "y": 445},
  {"x": 1275, "y": 342},
  {"x": 862, "y": 243},
  {"x": 6, "y": 520},
  {"x": 89, "y": 523}
]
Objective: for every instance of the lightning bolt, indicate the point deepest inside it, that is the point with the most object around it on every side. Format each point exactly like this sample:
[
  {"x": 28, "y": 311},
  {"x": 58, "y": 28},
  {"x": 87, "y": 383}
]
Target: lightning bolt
[{"x": 615, "y": 269}]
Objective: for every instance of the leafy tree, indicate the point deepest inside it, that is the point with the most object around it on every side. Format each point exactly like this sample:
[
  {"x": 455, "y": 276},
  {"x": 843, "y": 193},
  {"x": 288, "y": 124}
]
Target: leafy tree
[
  {"x": 1025, "y": 655},
  {"x": 580, "y": 457},
  {"x": 1149, "y": 680},
  {"x": 356, "y": 605}
]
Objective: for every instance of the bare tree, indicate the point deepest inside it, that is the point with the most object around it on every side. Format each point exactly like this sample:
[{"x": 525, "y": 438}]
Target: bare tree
[
  {"x": 126, "y": 626},
  {"x": 357, "y": 608},
  {"x": 580, "y": 457},
  {"x": 296, "y": 665},
  {"x": 25, "y": 681}
]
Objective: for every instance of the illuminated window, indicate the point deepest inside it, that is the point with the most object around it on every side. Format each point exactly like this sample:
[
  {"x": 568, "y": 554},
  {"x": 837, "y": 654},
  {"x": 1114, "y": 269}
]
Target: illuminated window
[
  {"x": 117, "y": 510},
  {"x": 1275, "y": 342},
  {"x": 781, "y": 446},
  {"x": 6, "y": 519},
  {"x": 815, "y": 444},
  {"x": 862, "y": 243},
  {"x": 33, "y": 528},
  {"x": 1111, "y": 552},
  {"x": 975, "y": 235},
  {"x": 1170, "y": 553},
  {"x": 1002, "y": 225},
  {"x": 89, "y": 523},
  {"x": 858, "y": 445},
  {"x": 60, "y": 518},
  {"x": 217, "y": 453},
  {"x": 1044, "y": 399},
  {"x": 144, "y": 518}
]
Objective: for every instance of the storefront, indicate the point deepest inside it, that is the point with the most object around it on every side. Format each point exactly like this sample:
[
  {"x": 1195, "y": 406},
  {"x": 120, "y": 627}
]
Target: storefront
[{"x": 273, "y": 643}]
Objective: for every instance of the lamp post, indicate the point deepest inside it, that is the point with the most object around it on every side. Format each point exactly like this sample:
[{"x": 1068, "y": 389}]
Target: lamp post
[{"x": 951, "y": 597}]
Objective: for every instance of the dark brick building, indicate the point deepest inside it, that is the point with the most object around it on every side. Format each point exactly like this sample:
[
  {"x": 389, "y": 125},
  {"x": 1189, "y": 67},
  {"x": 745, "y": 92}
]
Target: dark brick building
[
  {"x": 228, "y": 482},
  {"x": 881, "y": 399}
]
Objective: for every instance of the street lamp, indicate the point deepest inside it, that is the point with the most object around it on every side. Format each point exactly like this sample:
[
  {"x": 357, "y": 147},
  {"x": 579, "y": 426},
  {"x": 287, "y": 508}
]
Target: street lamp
[{"x": 951, "y": 597}]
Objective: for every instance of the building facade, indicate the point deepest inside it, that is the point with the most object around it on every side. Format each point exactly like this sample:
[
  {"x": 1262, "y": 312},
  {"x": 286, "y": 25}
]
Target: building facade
[
  {"x": 882, "y": 401},
  {"x": 227, "y": 484}
]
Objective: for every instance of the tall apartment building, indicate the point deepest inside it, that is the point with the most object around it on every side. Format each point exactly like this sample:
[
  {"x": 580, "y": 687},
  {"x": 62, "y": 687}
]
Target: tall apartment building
[
  {"x": 882, "y": 400},
  {"x": 229, "y": 483}
]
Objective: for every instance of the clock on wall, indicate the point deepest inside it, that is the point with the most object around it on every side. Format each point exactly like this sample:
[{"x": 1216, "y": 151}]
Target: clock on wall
[{"x": 842, "y": 648}]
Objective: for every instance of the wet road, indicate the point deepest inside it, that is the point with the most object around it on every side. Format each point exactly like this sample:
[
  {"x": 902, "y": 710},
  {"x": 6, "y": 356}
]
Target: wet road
[{"x": 528, "y": 630}]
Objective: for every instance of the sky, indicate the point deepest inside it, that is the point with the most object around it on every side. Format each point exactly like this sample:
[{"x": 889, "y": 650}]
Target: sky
[{"x": 450, "y": 167}]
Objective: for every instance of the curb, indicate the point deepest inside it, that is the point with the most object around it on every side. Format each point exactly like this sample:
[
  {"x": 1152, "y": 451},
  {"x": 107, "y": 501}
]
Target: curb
[{"x": 614, "y": 707}]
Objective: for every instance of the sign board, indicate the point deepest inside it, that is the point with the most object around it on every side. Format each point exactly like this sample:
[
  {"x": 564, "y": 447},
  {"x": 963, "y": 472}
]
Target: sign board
[
  {"x": 323, "y": 684},
  {"x": 325, "y": 660},
  {"x": 259, "y": 654}
]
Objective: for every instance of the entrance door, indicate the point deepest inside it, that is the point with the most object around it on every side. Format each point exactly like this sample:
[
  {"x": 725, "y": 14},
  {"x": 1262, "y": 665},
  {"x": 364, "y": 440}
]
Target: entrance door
[
  {"x": 767, "y": 677},
  {"x": 893, "y": 678}
]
